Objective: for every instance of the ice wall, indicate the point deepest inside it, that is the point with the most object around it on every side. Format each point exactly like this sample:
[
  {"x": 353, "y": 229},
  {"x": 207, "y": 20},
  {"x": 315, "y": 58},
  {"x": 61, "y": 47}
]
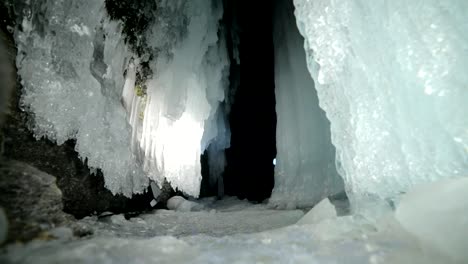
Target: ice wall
[
  {"x": 305, "y": 171},
  {"x": 391, "y": 78},
  {"x": 179, "y": 116},
  {"x": 80, "y": 82},
  {"x": 71, "y": 60}
]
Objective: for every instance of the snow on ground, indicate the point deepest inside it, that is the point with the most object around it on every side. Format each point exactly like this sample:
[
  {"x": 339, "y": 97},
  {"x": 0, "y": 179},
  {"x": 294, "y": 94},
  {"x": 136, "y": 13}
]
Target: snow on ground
[
  {"x": 293, "y": 244},
  {"x": 233, "y": 231},
  {"x": 225, "y": 217}
]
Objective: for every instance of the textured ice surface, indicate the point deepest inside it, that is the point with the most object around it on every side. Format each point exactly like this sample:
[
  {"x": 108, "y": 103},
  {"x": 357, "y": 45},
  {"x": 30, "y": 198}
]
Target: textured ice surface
[
  {"x": 72, "y": 70},
  {"x": 353, "y": 244},
  {"x": 391, "y": 79},
  {"x": 322, "y": 211},
  {"x": 80, "y": 83},
  {"x": 179, "y": 116},
  {"x": 305, "y": 169},
  {"x": 210, "y": 217},
  {"x": 178, "y": 203},
  {"x": 227, "y": 232},
  {"x": 437, "y": 214}
]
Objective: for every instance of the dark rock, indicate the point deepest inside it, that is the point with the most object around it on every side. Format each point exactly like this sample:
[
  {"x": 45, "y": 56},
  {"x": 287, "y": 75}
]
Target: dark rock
[
  {"x": 31, "y": 199},
  {"x": 83, "y": 192},
  {"x": 166, "y": 192}
]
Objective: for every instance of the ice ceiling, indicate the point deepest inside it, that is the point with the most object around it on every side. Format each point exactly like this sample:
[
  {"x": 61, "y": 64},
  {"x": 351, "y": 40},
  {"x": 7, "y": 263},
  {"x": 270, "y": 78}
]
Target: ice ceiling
[{"x": 389, "y": 76}]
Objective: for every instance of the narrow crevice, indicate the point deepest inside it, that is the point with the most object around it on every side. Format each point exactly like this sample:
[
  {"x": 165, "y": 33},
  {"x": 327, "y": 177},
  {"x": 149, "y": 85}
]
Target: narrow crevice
[{"x": 250, "y": 171}]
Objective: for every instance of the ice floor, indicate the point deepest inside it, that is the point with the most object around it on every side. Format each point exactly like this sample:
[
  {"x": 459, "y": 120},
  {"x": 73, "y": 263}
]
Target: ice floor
[
  {"x": 227, "y": 231},
  {"x": 213, "y": 218}
]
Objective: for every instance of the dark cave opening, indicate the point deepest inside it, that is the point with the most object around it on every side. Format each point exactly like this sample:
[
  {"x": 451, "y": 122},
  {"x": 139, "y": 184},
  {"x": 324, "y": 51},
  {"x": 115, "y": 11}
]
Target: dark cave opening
[{"x": 250, "y": 171}]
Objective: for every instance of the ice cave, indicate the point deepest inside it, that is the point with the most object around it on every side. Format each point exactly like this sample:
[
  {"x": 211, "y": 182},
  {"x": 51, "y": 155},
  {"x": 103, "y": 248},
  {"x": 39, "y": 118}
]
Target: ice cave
[{"x": 234, "y": 131}]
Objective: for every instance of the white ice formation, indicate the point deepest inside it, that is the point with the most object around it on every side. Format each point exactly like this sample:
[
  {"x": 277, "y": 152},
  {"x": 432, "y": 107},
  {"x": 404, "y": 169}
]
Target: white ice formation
[
  {"x": 179, "y": 117},
  {"x": 79, "y": 82},
  {"x": 72, "y": 70},
  {"x": 436, "y": 213},
  {"x": 391, "y": 78},
  {"x": 322, "y": 211},
  {"x": 305, "y": 171}
]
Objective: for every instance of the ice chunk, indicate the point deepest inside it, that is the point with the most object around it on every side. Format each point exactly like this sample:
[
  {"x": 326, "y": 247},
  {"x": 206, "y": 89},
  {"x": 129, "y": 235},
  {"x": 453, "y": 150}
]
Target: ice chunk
[
  {"x": 322, "y": 211},
  {"x": 178, "y": 203},
  {"x": 437, "y": 214},
  {"x": 390, "y": 77},
  {"x": 61, "y": 233},
  {"x": 305, "y": 172}
]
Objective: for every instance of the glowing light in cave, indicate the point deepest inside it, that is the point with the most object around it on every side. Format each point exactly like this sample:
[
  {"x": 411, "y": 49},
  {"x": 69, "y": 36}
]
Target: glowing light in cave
[
  {"x": 179, "y": 145},
  {"x": 172, "y": 149}
]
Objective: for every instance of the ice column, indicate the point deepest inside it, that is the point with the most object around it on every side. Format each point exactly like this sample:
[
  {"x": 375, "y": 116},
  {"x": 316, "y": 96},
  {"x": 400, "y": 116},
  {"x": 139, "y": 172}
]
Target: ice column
[
  {"x": 391, "y": 78},
  {"x": 71, "y": 60},
  {"x": 305, "y": 170},
  {"x": 179, "y": 116}
]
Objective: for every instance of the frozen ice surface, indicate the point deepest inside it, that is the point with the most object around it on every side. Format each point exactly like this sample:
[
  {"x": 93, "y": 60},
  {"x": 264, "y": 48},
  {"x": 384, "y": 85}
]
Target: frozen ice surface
[
  {"x": 79, "y": 82},
  {"x": 322, "y": 211},
  {"x": 233, "y": 231},
  {"x": 180, "y": 204},
  {"x": 207, "y": 216},
  {"x": 437, "y": 214},
  {"x": 391, "y": 78},
  {"x": 180, "y": 116},
  {"x": 72, "y": 70},
  {"x": 352, "y": 242},
  {"x": 305, "y": 171}
]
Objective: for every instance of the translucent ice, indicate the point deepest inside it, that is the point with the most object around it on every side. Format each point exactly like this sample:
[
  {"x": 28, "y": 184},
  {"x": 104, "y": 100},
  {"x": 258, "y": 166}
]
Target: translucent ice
[
  {"x": 178, "y": 203},
  {"x": 391, "y": 78},
  {"x": 180, "y": 115},
  {"x": 80, "y": 82},
  {"x": 72, "y": 70},
  {"x": 437, "y": 214},
  {"x": 238, "y": 241},
  {"x": 305, "y": 170},
  {"x": 322, "y": 211}
]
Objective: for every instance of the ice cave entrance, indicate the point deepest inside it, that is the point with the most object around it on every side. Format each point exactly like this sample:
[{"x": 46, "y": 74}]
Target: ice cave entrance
[
  {"x": 275, "y": 112},
  {"x": 206, "y": 88}
]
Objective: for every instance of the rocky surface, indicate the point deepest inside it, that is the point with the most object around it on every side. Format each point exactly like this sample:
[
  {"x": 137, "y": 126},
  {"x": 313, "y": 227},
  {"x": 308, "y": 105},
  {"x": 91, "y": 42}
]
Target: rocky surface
[
  {"x": 83, "y": 192},
  {"x": 31, "y": 200}
]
